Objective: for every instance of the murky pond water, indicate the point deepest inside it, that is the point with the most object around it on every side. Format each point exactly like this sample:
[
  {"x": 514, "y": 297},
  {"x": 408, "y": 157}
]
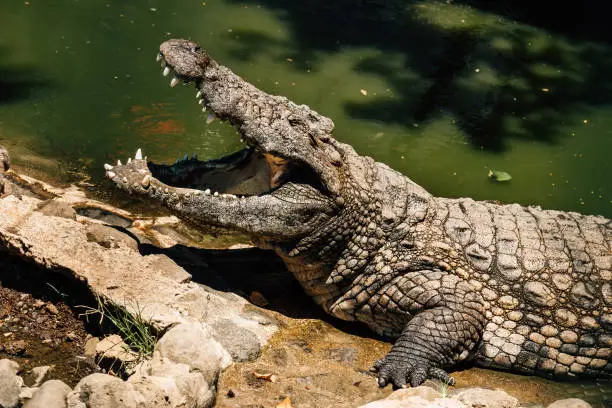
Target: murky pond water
[{"x": 440, "y": 91}]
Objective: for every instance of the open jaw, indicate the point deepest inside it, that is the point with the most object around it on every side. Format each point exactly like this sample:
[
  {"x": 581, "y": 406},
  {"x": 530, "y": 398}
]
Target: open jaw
[{"x": 249, "y": 172}]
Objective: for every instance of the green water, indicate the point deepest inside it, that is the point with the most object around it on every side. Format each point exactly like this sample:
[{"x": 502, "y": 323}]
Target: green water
[{"x": 440, "y": 92}]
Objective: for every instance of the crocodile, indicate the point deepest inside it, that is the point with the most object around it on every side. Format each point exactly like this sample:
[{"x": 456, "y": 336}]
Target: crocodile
[
  {"x": 452, "y": 281},
  {"x": 5, "y": 163}
]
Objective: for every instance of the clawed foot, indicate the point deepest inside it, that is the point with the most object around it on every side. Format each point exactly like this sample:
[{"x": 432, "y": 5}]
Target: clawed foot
[{"x": 400, "y": 372}]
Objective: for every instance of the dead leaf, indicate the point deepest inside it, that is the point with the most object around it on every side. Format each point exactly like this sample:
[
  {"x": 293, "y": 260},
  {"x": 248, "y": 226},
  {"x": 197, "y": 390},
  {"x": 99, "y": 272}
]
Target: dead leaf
[
  {"x": 286, "y": 403},
  {"x": 267, "y": 376}
]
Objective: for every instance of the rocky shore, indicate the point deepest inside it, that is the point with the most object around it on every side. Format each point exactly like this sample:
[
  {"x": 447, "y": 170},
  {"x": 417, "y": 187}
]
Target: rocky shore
[{"x": 214, "y": 348}]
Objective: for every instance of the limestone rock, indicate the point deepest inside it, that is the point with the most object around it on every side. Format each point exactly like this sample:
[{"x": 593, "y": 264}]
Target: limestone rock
[
  {"x": 103, "y": 391},
  {"x": 240, "y": 342},
  {"x": 193, "y": 344},
  {"x": 485, "y": 398},
  {"x": 414, "y": 401},
  {"x": 425, "y": 392},
  {"x": 570, "y": 403},
  {"x": 10, "y": 384},
  {"x": 51, "y": 394}
]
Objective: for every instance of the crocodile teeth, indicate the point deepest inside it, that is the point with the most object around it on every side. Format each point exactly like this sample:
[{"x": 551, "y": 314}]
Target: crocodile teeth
[
  {"x": 159, "y": 57},
  {"x": 207, "y": 191},
  {"x": 201, "y": 101},
  {"x": 198, "y": 94},
  {"x": 186, "y": 157},
  {"x": 119, "y": 163},
  {"x": 204, "y": 109},
  {"x": 146, "y": 180},
  {"x": 194, "y": 156},
  {"x": 216, "y": 194},
  {"x": 129, "y": 160},
  {"x": 174, "y": 82},
  {"x": 166, "y": 71},
  {"x": 107, "y": 166},
  {"x": 138, "y": 154},
  {"x": 110, "y": 175}
]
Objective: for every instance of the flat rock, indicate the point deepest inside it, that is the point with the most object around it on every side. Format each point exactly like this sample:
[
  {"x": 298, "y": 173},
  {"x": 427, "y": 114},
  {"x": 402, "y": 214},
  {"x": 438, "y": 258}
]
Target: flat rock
[
  {"x": 39, "y": 374},
  {"x": 51, "y": 394},
  {"x": 10, "y": 384},
  {"x": 114, "y": 348}
]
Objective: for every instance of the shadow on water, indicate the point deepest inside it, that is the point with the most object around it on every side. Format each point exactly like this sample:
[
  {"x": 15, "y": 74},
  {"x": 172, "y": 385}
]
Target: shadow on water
[
  {"x": 496, "y": 78},
  {"x": 18, "y": 82}
]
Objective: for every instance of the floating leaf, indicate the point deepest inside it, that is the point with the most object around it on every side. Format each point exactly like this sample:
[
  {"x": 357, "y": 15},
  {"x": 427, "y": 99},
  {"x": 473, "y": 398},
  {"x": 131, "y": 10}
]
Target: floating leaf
[{"x": 499, "y": 175}]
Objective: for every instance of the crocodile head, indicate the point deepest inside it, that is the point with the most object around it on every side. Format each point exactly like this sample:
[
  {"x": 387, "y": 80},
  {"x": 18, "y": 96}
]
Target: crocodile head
[{"x": 283, "y": 186}]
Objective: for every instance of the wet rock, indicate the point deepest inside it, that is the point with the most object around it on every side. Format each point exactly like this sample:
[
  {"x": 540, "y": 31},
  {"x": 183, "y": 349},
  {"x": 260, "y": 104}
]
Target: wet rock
[
  {"x": 196, "y": 389},
  {"x": 51, "y": 394},
  {"x": 240, "y": 342},
  {"x": 484, "y": 398},
  {"x": 39, "y": 374},
  {"x": 16, "y": 348},
  {"x": 570, "y": 403},
  {"x": 103, "y": 391},
  {"x": 193, "y": 344},
  {"x": 10, "y": 384}
]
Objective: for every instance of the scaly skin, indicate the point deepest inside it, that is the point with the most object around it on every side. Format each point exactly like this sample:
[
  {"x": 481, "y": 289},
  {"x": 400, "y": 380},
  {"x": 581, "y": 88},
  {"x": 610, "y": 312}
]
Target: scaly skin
[
  {"x": 5, "y": 163},
  {"x": 451, "y": 280}
]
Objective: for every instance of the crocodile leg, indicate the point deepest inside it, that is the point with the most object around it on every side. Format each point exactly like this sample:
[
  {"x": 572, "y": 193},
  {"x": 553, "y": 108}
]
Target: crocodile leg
[{"x": 433, "y": 339}]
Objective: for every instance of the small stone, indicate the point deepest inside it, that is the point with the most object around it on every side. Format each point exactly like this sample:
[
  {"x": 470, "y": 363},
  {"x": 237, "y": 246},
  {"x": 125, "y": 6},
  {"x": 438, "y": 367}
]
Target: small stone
[
  {"x": 52, "y": 308},
  {"x": 39, "y": 374}
]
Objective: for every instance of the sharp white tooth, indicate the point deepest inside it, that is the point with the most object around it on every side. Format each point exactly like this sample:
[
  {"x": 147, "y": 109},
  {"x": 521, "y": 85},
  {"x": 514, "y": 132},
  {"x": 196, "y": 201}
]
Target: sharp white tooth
[
  {"x": 210, "y": 119},
  {"x": 129, "y": 160},
  {"x": 194, "y": 156},
  {"x": 166, "y": 190},
  {"x": 107, "y": 166},
  {"x": 204, "y": 109},
  {"x": 110, "y": 175},
  {"x": 138, "y": 154},
  {"x": 146, "y": 180},
  {"x": 216, "y": 194},
  {"x": 166, "y": 71},
  {"x": 198, "y": 94},
  {"x": 241, "y": 140},
  {"x": 201, "y": 101},
  {"x": 207, "y": 191},
  {"x": 174, "y": 82},
  {"x": 159, "y": 57},
  {"x": 119, "y": 163},
  {"x": 186, "y": 157}
]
